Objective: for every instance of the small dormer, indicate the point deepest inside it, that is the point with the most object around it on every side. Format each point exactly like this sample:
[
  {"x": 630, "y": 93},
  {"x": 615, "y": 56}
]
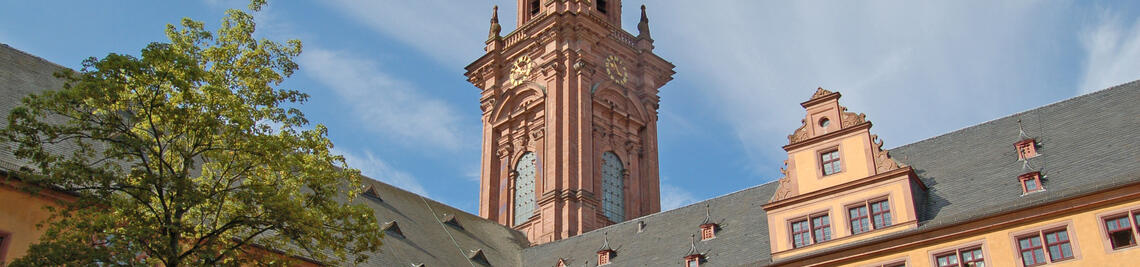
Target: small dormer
[
  {"x": 605, "y": 253},
  {"x": 371, "y": 193},
  {"x": 449, "y": 219},
  {"x": 839, "y": 183},
  {"x": 392, "y": 228},
  {"x": 708, "y": 226}
]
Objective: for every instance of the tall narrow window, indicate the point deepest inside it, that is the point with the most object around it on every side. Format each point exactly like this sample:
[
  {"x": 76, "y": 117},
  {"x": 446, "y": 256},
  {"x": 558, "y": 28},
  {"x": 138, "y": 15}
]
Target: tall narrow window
[
  {"x": 1044, "y": 247},
  {"x": 829, "y": 161},
  {"x": 811, "y": 230},
  {"x": 613, "y": 197},
  {"x": 1120, "y": 230},
  {"x": 869, "y": 215},
  {"x": 524, "y": 187},
  {"x": 534, "y": 7},
  {"x": 602, "y": 6}
]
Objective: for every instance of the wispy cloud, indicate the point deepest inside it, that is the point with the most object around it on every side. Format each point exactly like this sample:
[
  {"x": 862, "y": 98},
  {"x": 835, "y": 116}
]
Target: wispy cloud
[
  {"x": 1112, "y": 51},
  {"x": 384, "y": 104},
  {"x": 949, "y": 64},
  {"x": 444, "y": 30},
  {"x": 378, "y": 169},
  {"x": 673, "y": 197}
]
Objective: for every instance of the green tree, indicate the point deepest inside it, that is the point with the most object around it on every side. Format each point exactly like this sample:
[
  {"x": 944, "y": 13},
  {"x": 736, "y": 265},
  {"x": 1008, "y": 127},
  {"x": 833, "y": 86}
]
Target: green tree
[{"x": 189, "y": 155}]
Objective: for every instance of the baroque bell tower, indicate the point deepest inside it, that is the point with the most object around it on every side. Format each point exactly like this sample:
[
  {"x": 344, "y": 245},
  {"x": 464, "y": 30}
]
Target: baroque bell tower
[{"x": 569, "y": 103}]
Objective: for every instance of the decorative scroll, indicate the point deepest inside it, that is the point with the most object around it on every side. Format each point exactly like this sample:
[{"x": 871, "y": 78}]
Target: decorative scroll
[
  {"x": 883, "y": 160},
  {"x": 800, "y": 134},
  {"x": 849, "y": 119},
  {"x": 820, "y": 93},
  {"x": 786, "y": 188}
]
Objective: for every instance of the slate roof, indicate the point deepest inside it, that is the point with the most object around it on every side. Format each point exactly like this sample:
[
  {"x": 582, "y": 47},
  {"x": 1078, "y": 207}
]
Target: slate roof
[{"x": 1086, "y": 144}]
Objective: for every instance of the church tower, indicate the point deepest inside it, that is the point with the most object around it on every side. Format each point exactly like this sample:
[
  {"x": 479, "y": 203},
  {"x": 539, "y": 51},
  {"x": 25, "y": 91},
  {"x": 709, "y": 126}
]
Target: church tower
[{"x": 569, "y": 103}]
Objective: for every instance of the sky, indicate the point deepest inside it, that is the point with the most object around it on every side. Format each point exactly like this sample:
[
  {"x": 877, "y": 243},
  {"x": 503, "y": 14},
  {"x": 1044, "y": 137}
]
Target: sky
[{"x": 386, "y": 76}]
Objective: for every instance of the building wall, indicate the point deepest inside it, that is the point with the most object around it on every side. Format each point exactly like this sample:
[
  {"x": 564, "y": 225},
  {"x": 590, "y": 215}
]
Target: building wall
[{"x": 19, "y": 214}]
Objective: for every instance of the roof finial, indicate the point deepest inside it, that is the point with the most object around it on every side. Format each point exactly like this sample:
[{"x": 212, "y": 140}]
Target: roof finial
[
  {"x": 606, "y": 243},
  {"x": 1021, "y": 130},
  {"x": 496, "y": 29},
  {"x": 708, "y": 215},
  {"x": 643, "y": 26},
  {"x": 693, "y": 246}
]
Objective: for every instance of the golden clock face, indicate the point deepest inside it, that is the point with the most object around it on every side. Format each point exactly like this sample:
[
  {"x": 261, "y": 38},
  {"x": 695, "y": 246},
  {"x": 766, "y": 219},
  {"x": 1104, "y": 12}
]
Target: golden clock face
[
  {"x": 520, "y": 70},
  {"x": 616, "y": 70}
]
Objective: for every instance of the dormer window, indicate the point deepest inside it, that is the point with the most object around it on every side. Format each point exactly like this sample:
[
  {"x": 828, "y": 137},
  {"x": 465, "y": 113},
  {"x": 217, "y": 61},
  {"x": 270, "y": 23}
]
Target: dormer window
[
  {"x": 1031, "y": 182},
  {"x": 1026, "y": 148},
  {"x": 693, "y": 260},
  {"x": 602, "y": 6},
  {"x": 604, "y": 257},
  {"x": 829, "y": 162},
  {"x": 708, "y": 231}
]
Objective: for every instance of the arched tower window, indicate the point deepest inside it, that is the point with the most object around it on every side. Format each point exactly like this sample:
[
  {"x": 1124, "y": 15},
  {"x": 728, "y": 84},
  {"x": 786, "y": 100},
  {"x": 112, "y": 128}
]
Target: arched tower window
[
  {"x": 613, "y": 197},
  {"x": 524, "y": 187}
]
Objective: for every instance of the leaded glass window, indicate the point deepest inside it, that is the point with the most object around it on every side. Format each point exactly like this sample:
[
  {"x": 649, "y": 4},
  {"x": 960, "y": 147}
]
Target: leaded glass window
[
  {"x": 524, "y": 187},
  {"x": 613, "y": 204}
]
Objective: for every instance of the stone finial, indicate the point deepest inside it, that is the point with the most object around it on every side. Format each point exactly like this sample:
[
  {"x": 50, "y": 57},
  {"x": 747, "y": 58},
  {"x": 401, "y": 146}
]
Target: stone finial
[
  {"x": 643, "y": 26},
  {"x": 496, "y": 29}
]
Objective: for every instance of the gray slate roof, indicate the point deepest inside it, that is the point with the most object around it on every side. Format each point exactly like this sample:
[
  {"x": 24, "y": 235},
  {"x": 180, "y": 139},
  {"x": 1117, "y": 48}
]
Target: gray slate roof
[{"x": 1086, "y": 144}]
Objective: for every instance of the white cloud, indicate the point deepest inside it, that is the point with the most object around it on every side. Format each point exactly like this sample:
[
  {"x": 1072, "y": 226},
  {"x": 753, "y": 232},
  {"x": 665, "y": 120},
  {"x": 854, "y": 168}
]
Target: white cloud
[
  {"x": 384, "y": 104},
  {"x": 673, "y": 197},
  {"x": 378, "y": 169},
  {"x": 1112, "y": 53},
  {"x": 445, "y": 30},
  {"x": 917, "y": 68}
]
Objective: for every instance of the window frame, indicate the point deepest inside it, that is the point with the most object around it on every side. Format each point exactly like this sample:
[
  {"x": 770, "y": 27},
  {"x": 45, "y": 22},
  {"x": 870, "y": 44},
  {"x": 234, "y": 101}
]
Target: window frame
[
  {"x": 811, "y": 228},
  {"x": 708, "y": 231},
  {"x": 870, "y": 216},
  {"x": 837, "y": 159},
  {"x": 1036, "y": 177},
  {"x": 957, "y": 251},
  {"x": 1132, "y": 214},
  {"x": 1026, "y": 149},
  {"x": 1040, "y": 233},
  {"x": 605, "y": 257}
]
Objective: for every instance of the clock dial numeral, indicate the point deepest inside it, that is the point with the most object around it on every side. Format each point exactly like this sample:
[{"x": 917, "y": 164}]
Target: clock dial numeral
[
  {"x": 616, "y": 70},
  {"x": 520, "y": 70}
]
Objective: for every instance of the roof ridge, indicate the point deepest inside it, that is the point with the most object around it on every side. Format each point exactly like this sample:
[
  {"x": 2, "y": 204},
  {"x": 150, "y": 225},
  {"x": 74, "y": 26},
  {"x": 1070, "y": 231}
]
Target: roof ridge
[
  {"x": 1023, "y": 112},
  {"x": 22, "y": 52}
]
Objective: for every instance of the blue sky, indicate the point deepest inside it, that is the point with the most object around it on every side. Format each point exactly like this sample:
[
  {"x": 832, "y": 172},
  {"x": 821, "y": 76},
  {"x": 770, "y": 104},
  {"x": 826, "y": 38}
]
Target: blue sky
[{"x": 386, "y": 75}]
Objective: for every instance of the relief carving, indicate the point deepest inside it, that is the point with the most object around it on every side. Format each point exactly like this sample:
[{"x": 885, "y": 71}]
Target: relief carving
[
  {"x": 784, "y": 191},
  {"x": 820, "y": 93},
  {"x": 849, "y": 119},
  {"x": 883, "y": 160},
  {"x": 800, "y": 134},
  {"x": 504, "y": 150}
]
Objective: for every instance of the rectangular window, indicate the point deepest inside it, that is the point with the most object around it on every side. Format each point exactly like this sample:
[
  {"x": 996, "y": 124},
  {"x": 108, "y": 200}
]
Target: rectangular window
[
  {"x": 967, "y": 257},
  {"x": 829, "y": 161},
  {"x": 811, "y": 230},
  {"x": 1026, "y": 148},
  {"x": 1031, "y": 182},
  {"x": 878, "y": 217},
  {"x": 708, "y": 231},
  {"x": 1120, "y": 230},
  {"x": 603, "y": 258},
  {"x": 1045, "y": 247},
  {"x": 534, "y": 7}
]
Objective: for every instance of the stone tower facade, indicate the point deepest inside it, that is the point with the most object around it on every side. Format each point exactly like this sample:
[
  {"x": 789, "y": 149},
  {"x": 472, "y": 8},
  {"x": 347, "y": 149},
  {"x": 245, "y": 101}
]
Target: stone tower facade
[{"x": 569, "y": 103}]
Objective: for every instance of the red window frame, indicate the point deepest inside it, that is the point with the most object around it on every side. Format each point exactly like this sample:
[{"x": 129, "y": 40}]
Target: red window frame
[
  {"x": 1030, "y": 247},
  {"x": 708, "y": 231},
  {"x": 1033, "y": 176},
  {"x": 957, "y": 257},
  {"x": 1026, "y": 148},
  {"x": 693, "y": 260},
  {"x": 869, "y": 215},
  {"x": 1129, "y": 218},
  {"x": 811, "y": 230},
  {"x": 1058, "y": 244},
  {"x": 832, "y": 160},
  {"x": 5, "y": 239},
  {"x": 604, "y": 257}
]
